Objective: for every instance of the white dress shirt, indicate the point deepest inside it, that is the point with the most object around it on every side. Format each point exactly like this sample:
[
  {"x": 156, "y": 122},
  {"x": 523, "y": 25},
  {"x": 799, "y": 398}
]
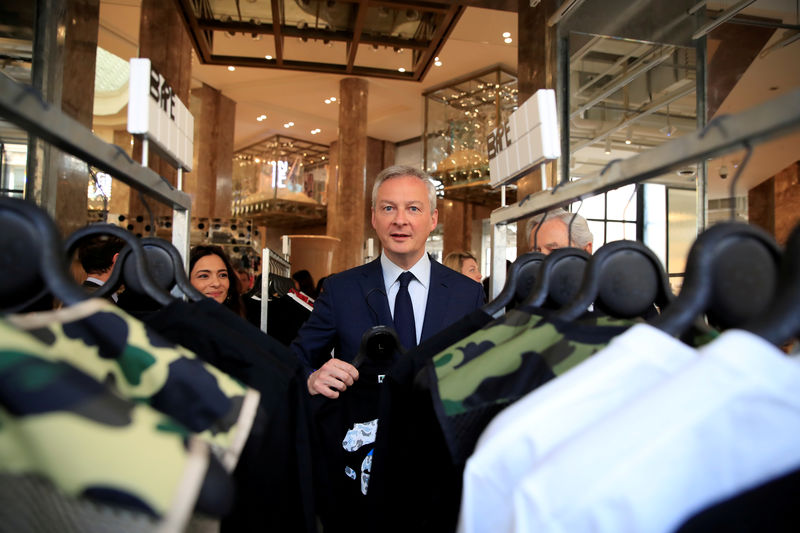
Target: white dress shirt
[
  {"x": 526, "y": 431},
  {"x": 728, "y": 421},
  {"x": 417, "y": 289}
]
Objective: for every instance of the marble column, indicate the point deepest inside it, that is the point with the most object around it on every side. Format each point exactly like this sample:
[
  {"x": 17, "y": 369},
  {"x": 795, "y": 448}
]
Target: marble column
[
  {"x": 164, "y": 40},
  {"x": 774, "y": 204},
  {"x": 121, "y": 192},
  {"x": 347, "y": 222},
  {"x": 380, "y": 154},
  {"x": 77, "y": 101},
  {"x": 210, "y": 182},
  {"x": 536, "y": 69}
]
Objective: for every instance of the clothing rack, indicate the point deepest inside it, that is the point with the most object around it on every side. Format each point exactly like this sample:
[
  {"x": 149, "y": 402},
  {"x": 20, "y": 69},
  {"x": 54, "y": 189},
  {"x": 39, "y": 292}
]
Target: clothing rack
[
  {"x": 273, "y": 263},
  {"x": 722, "y": 135},
  {"x": 25, "y": 107}
]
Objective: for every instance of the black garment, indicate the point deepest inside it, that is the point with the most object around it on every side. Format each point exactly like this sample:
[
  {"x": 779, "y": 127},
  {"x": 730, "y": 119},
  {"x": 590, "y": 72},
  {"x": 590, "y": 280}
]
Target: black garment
[
  {"x": 285, "y": 316},
  {"x": 408, "y": 430},
  {"x": 771, "y": 507},
  {"x": 272, "y": 477},
  {"x": 345, "y": 429}
]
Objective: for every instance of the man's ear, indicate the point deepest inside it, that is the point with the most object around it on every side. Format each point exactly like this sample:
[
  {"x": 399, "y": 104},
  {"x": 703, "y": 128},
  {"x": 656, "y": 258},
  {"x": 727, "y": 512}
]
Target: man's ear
[
  {"x": 114, "y": 259},
  {"x": 435, "y": 219},
  {"x": 588, "y": 248},
  {"x": 372, "y": 219}
]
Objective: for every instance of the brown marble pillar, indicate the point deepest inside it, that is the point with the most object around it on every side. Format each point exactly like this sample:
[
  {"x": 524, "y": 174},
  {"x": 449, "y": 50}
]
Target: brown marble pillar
[
  {"x": 536, "y": 69},
  {"x": 456, "y": 219},
  {"x": 210, "y": 182},
  {"x": 775, "y": 203},
  {"x": 164, "y": 41},
  {"x": 77, "y": 101},
  {"x": 380, "y": 154},
  {"x": 351, "y": 188},
  {"x": 121, "y": 192}
]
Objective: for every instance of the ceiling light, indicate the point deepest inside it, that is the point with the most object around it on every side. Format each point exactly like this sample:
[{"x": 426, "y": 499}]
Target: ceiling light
[
  {"x": 437, "y": 61},
  {"x": 401, "y": 69},
  {"x": 608, "y": 146},
  {"x": 268, "y": 57},
  {"x": 231, "y": 68},
  {"x": 628, "y": 136},
  {"x": 327, "y": 100},
  {"x": 333, "y": 98},
  {"x": 258, "y": 160},
  {"x": 288, "y": 125},
  {"x": 261, "y": 117},
  {"x": 506, "y": 34},
  {"x": 507, "y": 40}
]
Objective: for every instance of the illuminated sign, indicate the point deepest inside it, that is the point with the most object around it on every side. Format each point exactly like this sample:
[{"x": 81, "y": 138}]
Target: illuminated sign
[
  {"x": 529, "y": 137},
  {"x": 157, "y": 113}
]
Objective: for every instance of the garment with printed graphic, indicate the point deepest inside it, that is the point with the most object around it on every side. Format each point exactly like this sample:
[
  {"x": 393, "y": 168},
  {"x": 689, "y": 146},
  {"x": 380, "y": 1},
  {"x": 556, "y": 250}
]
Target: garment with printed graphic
[
  {"x": 120, "y": 454},
  {"x": 103, "y": 341},
  {"x": 346, "y": 428},
  {"x": 272, "y": 478}
]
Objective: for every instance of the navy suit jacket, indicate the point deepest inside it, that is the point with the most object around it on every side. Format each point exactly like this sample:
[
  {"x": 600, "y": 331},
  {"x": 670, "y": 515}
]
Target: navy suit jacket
[{"x": 355, "y": 300}]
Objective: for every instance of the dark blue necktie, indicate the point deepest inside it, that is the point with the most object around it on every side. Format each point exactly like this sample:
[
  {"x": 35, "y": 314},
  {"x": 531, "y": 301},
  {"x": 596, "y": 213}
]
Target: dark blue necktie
[{"x": 404, "y": 313}]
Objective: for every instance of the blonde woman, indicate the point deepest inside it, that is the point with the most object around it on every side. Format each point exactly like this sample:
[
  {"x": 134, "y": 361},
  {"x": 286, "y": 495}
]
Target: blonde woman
[{"x": 465, "y": 263}]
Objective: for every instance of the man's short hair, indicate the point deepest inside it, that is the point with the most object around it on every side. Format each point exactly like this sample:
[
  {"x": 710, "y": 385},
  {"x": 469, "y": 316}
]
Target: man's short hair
[
  {"x": 579, "y": 234},
  {"x": 96, "y": 254},
  {"x": 398, "y": 171}
]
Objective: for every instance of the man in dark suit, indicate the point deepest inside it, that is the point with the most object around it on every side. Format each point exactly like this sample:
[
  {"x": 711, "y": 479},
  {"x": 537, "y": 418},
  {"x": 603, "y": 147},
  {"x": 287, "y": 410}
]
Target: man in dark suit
[
  {"x": 403, "y": 215},
  {"x": 97, "y": 256}
]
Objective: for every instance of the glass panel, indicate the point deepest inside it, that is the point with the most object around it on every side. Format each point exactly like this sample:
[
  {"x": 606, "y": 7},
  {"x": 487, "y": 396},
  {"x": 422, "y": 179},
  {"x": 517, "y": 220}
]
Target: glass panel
[
  {"x": 594, "y": 207},
  {"x": 15, "y": 158},
  {"x": 622, "y": 203},
  {"x": 597, "y": 228},
  {"x": 681, "y": 226},
  {"x": 655, "y": 220},
  {"x": 617, "y": 231}
]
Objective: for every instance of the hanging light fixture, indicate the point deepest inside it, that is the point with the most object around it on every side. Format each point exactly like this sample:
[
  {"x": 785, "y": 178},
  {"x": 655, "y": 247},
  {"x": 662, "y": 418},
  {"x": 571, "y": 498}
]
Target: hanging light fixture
[
  {"x": 629, "y": 135},
  {"x": 608, "y": 145}
]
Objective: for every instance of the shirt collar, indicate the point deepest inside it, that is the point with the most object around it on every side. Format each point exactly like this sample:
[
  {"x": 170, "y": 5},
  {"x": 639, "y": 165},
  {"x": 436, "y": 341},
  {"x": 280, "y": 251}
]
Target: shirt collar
[{"x": 421, "y": 270}]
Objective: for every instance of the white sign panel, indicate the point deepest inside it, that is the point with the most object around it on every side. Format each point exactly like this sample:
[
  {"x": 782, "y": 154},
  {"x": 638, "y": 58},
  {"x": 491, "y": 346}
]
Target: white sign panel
[
  {"x": 157, "y": 113},
  {"x": 529, "y": 137}
]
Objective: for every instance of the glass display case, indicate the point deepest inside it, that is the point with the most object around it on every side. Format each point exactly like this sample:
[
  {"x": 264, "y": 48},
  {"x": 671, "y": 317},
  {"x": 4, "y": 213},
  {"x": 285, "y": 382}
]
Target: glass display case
[{"x": 458, "y": 115}]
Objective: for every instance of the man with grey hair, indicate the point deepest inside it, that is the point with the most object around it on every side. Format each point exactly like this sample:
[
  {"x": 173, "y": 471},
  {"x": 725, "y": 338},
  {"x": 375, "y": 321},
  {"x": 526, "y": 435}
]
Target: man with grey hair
[
  {"x": 555, "y": 232},
  {"x": 403, "y": 288}
]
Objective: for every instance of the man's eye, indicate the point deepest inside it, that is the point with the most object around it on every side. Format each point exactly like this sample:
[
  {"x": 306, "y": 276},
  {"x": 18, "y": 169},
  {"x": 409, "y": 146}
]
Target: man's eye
[
  {"x": 387, "y": 208},
  {"x": 414, "y": 208}
]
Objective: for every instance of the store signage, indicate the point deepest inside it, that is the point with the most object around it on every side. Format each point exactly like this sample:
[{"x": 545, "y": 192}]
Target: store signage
[
  {"x": 529, "y": 137},
  {"x": 157, "y": 113}
]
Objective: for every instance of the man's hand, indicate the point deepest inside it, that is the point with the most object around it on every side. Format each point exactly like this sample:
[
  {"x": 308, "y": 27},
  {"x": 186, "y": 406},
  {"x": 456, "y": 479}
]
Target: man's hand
[{"x": 331, "y": 378}]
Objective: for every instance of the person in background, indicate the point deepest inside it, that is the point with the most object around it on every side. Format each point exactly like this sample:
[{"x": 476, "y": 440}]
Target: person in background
[
  {"x": 211, "y": 272},
  {"x": 244, "y": 275},
  {"x": 432, "y": 296},
  {"x": 97, "y": 255},
  {"x": 465, "y": 263},
  {"x": 555, "y": 232},
  {"x": 305, "y": 283}
]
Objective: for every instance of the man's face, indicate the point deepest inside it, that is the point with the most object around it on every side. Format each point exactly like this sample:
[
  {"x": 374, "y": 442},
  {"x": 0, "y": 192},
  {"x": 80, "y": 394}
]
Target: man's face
[
  {"x": 403, "y": 219},
  {"x": 552, "y": 236}
]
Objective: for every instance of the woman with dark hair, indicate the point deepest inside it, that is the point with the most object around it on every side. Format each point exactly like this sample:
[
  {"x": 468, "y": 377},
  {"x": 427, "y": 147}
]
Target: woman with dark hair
[
  {"x": 211, "y": 273},
  {"x": 305, "y": 282}
]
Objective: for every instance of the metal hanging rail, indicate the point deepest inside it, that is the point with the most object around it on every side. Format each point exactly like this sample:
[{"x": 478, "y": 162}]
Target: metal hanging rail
[
  {"x": 722, "y": 135},
  {"x": 23, "y": 106}
]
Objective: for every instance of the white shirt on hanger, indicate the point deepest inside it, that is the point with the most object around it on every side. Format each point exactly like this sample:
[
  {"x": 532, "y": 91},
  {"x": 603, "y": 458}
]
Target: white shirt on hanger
[
  {"x": 728, "y": 421},
  {"x": 527, "y": 430}
]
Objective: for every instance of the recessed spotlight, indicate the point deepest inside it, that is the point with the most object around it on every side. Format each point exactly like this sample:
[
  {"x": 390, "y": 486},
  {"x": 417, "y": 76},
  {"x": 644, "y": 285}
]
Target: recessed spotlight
[
  {"x": 333, "y": 98},
  {"x": 288, "y": 124},
  {"x": 437, "y": 61},
  {"x": 231, "y": 68},
  {"x": 261, "y": 117},
  {"x": 258, "y": 160},
  {"x": 267, "y": 57},
  {"x": 401, "y": 69},
  {"x": 315, "y": 131},
  {"x": 327, "y": 100},
  {"x": 506, "y": 34},
  {"x": 507, "y": 40}
]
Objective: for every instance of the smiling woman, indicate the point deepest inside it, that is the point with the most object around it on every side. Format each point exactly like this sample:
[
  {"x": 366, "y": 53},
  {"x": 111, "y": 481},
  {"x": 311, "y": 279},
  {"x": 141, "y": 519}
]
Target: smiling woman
[{"x": 211, "y": 272}]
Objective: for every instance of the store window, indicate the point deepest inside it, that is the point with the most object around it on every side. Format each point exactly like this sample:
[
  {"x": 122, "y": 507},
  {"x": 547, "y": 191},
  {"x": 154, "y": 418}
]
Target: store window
[{"x": 13, "y": 158}]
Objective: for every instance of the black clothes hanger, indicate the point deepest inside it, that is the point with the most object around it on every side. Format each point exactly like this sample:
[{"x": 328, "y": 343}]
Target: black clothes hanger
[
  {"x": 33, "y": 263},
  {"x": 520, "y": 279},
  {"x": 165, "y": 266},
  {"x": 731, "y": 277},
  {"x": 623, "y": 279},
  {"x": 780, "y": 323},
  {"x": 378, "y": 344},
  {"x": 134, "y": 246},
  {"x": 559, "y": 279}
]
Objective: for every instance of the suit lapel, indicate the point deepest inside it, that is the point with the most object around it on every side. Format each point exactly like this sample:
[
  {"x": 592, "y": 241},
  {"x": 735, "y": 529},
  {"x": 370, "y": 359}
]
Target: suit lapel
[
  {"x": 438, "y": 300},
  {"x": 374, "y": 292}
]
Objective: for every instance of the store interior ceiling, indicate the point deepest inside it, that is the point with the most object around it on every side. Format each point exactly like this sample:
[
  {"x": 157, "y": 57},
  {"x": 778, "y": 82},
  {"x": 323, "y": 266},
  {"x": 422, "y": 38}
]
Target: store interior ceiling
[{"x": 606, "y": 111}]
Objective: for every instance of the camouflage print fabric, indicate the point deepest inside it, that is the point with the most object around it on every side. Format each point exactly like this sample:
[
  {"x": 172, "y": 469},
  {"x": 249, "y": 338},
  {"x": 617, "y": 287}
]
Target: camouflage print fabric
[
  {"x": 120, "y": 351},
  {"x": 472, "y": 381},
  {"x": 61, "y": 425}
]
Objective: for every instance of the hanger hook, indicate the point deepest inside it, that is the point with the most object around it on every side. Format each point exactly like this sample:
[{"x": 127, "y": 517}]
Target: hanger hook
[
  {"x": 569, "y": 227},
  {"x": 738, "y": 174},
  {"x": 536, "y": 232}
]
